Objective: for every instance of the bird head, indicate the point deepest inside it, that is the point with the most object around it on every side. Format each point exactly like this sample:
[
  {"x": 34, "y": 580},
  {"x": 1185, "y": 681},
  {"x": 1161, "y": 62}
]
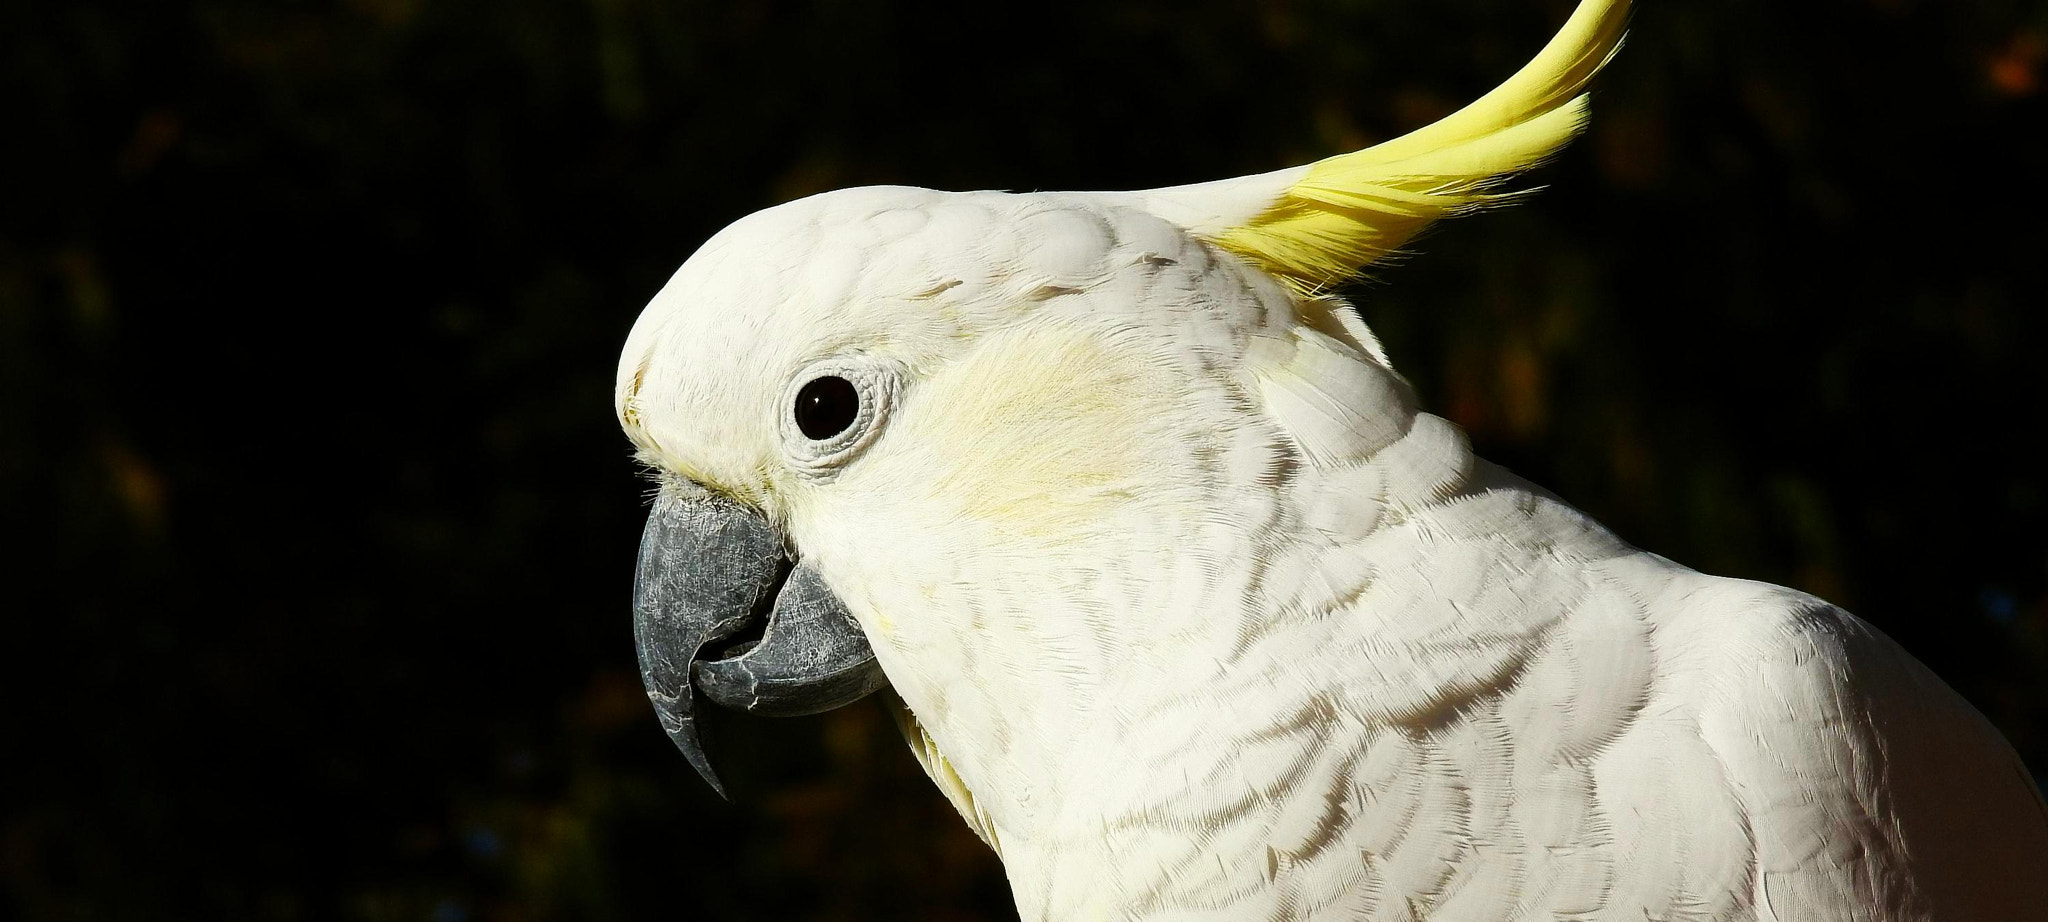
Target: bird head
[{"x": 1007, "y": 452}]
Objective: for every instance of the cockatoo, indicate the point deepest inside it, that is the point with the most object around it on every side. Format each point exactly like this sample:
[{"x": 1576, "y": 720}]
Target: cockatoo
[{"x": 1194, "y": 615}]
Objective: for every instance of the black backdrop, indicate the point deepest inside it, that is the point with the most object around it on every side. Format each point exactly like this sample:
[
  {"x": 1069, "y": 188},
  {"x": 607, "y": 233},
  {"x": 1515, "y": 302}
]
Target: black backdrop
[{"x": 320, "y": 531}]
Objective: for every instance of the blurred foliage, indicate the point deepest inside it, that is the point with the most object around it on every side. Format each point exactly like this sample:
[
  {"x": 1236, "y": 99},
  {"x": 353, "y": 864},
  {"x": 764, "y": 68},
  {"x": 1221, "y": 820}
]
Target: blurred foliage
[{"x": 322, "y": 530}]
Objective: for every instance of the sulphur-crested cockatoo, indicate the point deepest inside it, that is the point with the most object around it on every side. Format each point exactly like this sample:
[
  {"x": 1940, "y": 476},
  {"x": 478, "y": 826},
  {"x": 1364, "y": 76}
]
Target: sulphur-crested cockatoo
[{"x": 1194, "y": 616}]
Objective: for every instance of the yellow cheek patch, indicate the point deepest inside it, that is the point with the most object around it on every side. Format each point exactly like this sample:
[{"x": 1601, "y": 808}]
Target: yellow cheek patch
[{"x": 1040, "y": 431}]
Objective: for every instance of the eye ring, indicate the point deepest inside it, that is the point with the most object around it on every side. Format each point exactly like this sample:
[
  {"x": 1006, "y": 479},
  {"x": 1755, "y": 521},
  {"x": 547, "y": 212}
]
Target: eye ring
[{"x": 831, "y": 409}]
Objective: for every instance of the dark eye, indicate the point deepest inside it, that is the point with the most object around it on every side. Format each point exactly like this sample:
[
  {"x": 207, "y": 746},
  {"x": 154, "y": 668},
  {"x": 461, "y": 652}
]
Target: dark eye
[{"x": 826, "y": 406}]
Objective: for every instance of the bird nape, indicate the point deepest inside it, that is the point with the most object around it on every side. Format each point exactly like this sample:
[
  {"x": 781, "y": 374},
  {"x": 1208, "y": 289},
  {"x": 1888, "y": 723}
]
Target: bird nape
[{"x": 1192, "y": 613}]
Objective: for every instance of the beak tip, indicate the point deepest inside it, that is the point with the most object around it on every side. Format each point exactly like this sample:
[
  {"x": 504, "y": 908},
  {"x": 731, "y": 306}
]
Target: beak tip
[
  {"x": 704, "y": 770},
  {"x": 679, "y": 721},
  {"x": 682, "y": 731}
]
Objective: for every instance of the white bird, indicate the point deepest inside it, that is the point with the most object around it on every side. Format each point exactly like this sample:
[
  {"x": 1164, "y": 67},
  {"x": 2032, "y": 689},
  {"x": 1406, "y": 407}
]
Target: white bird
[{"x": 1195, "y": 616}]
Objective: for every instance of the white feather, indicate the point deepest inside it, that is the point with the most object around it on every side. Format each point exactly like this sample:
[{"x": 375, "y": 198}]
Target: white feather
[{"x": 1196, "y": 616}]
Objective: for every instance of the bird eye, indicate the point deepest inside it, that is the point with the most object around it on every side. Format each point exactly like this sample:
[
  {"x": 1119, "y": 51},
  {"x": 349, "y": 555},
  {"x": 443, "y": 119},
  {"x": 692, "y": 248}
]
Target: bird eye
[
  {"x": 831, "y": 409},
  {"x": 826, "y": 406}
]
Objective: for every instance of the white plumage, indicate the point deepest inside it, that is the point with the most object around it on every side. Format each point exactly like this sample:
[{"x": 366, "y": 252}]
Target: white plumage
[{"x": 1195, "y": 616}]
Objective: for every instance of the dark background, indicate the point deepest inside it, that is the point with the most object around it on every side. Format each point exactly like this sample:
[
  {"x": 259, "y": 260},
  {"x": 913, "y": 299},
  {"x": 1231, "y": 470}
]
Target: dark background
[{"x": 320, "y": 529}]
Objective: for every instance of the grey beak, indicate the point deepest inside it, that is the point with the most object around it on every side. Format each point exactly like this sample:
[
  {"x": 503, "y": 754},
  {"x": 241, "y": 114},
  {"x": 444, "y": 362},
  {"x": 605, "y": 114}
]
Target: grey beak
[{"x": 710, "y": 569}]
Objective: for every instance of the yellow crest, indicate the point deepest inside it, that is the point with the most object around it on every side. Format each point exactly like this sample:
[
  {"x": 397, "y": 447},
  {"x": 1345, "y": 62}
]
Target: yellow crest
[{"x": 1338, "y": 215}]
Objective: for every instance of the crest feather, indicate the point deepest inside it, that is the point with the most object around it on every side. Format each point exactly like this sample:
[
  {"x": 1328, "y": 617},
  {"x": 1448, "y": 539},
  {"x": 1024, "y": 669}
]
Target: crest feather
[{"x": 1341, "y": 214}]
